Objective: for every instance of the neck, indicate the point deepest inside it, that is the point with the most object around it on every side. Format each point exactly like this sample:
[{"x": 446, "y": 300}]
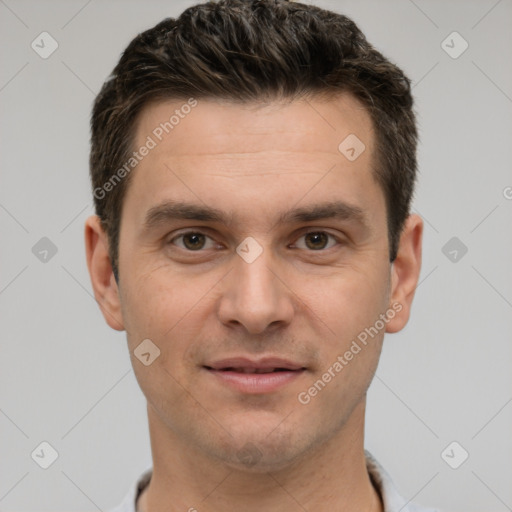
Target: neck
[{"x": 334, "y": 477}]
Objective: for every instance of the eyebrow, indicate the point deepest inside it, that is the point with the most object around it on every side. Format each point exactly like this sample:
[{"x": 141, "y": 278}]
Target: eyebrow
[{"x": 177, "y": 210}]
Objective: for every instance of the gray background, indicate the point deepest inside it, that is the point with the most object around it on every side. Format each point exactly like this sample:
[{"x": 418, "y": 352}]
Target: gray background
[{"x": 66, "y": 378}]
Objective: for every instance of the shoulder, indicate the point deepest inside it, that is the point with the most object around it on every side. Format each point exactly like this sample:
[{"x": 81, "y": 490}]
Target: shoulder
[
  {"x": 391, "y": 498},
  {"x": 129, "y": 503}
]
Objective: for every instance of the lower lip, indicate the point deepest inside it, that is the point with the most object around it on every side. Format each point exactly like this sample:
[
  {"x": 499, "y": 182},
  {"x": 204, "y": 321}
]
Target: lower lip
[{"x": 256, "y": 383}]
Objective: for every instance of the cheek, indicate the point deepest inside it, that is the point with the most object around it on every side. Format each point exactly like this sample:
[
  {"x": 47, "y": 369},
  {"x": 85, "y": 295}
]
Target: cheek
[
  {"x": 158, "y": 299},
  {"x": 351, "y": 341},
  {"x": 160, "y": 308},
  {"x": 351, "y": 305},
  {"x": 348, "y": 301},
  {"x": 171, "y": 310}
]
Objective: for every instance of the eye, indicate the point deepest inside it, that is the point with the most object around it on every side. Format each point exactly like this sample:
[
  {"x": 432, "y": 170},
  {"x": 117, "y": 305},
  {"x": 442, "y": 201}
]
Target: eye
[
  {"x": 316, "y": 241},
  {"x": 192, "y": 241}
]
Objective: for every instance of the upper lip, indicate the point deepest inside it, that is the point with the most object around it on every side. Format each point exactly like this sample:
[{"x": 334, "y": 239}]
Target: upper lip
[{"x": 256, "y": 364}]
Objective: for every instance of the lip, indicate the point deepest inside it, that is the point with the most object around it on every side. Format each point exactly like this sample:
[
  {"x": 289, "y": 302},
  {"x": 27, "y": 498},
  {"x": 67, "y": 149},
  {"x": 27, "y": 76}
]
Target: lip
[
  {"x": 238, "y": 373},
  {"x": 264, "y": 363}
]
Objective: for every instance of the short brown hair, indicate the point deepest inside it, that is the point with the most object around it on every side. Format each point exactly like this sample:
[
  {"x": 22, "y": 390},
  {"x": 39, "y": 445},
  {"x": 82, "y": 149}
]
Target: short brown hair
[{"x": 253, "y": 50}]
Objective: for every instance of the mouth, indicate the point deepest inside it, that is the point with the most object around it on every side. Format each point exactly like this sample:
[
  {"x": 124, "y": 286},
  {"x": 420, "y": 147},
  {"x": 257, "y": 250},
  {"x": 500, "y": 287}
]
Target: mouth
[
  {"x": 245, "y": 369},
  {"x": 255, "y": 377}
]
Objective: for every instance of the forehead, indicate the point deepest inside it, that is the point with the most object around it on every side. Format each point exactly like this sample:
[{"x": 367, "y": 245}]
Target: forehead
[
  {"x": 267, "y": 155},
  {"x": 216, "y": 127}
]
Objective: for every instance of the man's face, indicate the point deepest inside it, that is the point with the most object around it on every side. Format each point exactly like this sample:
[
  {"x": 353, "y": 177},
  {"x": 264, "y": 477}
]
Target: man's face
[{"x": 289, "y": 301}]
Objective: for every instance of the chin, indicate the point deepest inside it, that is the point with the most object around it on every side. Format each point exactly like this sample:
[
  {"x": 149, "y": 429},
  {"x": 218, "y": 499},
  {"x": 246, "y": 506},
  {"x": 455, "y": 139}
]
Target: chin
[
  {"x": 260, "y": 449},
  {"x": 259, "y": 459}
]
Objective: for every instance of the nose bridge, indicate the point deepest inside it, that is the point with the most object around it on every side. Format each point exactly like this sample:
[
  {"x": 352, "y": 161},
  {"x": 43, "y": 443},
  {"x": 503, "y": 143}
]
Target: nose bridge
[
  {"x": 255, "y": 277},
  {"x": 253, "y": 295}
]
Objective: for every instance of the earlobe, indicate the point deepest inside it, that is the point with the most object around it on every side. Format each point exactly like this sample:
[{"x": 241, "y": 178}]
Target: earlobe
[
  {"x": 405, "y": 272},
  {"x": 100, "y": 271}
]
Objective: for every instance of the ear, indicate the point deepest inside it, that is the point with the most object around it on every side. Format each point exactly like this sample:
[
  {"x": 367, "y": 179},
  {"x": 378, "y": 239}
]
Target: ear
[
  {"x": 100, "y": 270},
  {"x": 405, "y": 272}
]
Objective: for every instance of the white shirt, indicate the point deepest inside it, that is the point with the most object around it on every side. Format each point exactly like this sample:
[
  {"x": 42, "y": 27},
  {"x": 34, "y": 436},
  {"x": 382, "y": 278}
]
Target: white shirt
[{"x": 391, "y": 499}]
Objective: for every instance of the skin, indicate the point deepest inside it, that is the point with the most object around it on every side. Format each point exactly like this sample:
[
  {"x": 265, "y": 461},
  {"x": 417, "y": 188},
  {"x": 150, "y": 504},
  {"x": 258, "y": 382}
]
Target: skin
[{"x": 302, "y": 299}]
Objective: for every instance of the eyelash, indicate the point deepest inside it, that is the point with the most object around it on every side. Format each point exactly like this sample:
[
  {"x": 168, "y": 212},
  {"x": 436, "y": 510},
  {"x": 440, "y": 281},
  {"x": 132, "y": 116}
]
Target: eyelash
[{"x": 181, "y": 235}]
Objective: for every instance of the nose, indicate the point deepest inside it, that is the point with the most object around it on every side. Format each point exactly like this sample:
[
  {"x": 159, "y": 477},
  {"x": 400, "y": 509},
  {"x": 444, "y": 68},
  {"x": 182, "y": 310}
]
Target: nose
[{"x": 256, "y": 295}]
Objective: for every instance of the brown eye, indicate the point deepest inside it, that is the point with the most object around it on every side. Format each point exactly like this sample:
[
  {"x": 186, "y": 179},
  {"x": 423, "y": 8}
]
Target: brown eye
[
  {"x": 316, "y": 240},
  {"x": 192, "y": 241}
]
